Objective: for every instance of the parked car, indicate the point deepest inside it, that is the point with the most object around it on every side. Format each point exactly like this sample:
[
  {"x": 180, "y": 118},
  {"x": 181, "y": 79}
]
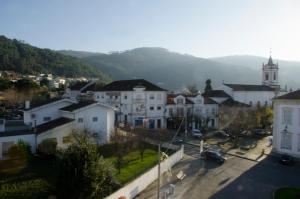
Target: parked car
[
  {"x": 197, "y": 133},
  {"x": 213, "y": 155},
  {"x": 221, "y": 134},
  {"x": 259, "y": 132},
  {"x": 286, "y": 160}
]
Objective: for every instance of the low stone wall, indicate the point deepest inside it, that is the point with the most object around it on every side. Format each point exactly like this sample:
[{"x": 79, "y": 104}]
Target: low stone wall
[{"x": 133, "y": 188}]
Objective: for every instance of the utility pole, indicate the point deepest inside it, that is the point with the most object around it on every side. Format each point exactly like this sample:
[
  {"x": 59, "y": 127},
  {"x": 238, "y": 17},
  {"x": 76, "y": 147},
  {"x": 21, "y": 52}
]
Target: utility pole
[
  {"x": 185, "y": 124},
  {"x": 158, "y": 175}
]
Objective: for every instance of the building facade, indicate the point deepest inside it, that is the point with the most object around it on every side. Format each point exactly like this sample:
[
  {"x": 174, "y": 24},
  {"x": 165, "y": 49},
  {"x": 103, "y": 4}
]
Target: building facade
[
  {"x": 138, "y": 102},
  {"x": 286, "y": 125},
  {"x": 257, "y": 95}
]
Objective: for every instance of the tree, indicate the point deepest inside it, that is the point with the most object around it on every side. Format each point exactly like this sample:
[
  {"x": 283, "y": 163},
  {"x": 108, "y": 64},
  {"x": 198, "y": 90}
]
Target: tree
[
  {"x": 207, "y": 85},
  {"x": 5, "y": 84},
  {"x": 82, "y": 172},
  {"x": 45, "y": 82},
  {"x": 26, "y": 84},
  {"x": 48, "y": 146},
  {"x": 192, "y": 89}
]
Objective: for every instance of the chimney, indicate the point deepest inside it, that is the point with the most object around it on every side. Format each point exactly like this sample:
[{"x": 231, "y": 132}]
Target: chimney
[{"x": 27, "y": 104}]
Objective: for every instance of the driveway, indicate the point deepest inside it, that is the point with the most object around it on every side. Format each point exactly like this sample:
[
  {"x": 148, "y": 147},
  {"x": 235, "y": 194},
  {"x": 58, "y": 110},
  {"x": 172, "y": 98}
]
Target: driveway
[{"x": 236, "y": 178}]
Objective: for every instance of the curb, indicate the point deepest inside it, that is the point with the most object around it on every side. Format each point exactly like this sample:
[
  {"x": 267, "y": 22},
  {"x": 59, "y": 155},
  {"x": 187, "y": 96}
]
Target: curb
[{"x": 227, "y": 153}]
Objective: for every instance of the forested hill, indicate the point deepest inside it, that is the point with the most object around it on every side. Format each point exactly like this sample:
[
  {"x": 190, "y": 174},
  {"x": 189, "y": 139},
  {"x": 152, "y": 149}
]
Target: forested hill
[
  {"x": 26, "y": 59},
  {"x": 167, "y": 69}
]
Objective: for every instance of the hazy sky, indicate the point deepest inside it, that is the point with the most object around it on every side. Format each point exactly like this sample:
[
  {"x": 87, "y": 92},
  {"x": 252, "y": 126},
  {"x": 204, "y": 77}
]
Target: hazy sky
[{"x": 204, "y": 28}]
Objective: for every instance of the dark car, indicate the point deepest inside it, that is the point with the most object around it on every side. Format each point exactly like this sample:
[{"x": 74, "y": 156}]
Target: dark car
[
  {"x": 259, "y": 132},
  {"x": 286, "y": 160},
  {"x": 222, "y": 134},
  {"x": 213, "y": 155}
]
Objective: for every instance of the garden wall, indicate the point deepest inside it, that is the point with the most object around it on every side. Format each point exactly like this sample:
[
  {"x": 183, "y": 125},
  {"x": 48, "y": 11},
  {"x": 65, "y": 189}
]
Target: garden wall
[{"x": 134, "y": 187}]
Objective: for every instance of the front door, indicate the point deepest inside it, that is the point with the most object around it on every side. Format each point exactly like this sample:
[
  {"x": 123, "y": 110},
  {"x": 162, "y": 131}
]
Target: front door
[{"x": 158, "y": 123}]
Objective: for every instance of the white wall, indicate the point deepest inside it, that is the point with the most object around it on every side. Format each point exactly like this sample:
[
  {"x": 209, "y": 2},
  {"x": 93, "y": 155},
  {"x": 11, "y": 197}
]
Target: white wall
[
  {"x": 59, "y": 133},
  {"x": 254, "y": 96},
  {"x": 279, "y": 126},
  {"x": 30, "y": 139},
  {"x": 131, "y": 189},
  {"x": 103, "y": 126},
  {"x": 128, "y": 105},
  {"x": 49, "y": 110}
]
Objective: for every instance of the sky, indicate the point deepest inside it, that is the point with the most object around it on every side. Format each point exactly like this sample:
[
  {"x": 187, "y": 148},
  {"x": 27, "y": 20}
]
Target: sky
[{"x": 203, "y": 28}]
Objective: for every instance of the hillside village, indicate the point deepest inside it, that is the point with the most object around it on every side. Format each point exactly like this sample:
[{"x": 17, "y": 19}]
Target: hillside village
[{"x": 229, "y": 113}]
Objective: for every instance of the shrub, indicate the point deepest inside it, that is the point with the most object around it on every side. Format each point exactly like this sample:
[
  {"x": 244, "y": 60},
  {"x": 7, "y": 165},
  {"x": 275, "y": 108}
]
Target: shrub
[{"x": 48, "y": 146}]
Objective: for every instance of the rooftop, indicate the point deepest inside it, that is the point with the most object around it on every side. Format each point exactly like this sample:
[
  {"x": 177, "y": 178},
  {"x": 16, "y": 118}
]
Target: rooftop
[
  {"x": 215, "y": 93},
  {"x": 78, "y": 105},
  {"x": 290, "y": 96},
  {"x": 78, "y": 85},
  {"x": 129, "y": 85},
  {"x": 52, "y": 124},
  {"x": 249, "y": 87},
  {"x": 35, "y": 104}
]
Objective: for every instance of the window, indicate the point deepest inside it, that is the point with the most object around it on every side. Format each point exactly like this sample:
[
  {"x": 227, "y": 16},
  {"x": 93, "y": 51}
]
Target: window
[
  {"x": 159, "y": 108},
  {"x": 32, "y": 116},
  {"x": 80, "y": 120},
  {"x": 159, "y": 96},
  {"x": 102, "y": 95},
  {"x": 151, "y": 108},
  {"x": 97, "y": 96},
  {"x": 95, "y": 119},
  {"x": 266, "y": 76},
  {"x": 47, "y": 119},
  {"x": 287, "y": 116},
  {"x": 274, "y": 76},
  {"x": 116, "y": 97},
  {"x": 266, "y": 103},
  {"x": 151, "y": 96},
  {"x": 286, "y": 140},
  {"x": 170, "y": 111},
  {"x": 125, "y": 96},
  {"x": 180, "y": 101}
]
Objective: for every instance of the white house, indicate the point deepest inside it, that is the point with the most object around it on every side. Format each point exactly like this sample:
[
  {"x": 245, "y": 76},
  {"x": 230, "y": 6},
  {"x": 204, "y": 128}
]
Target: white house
[
  {"x": 286, "y": 126},
  {"x": 196, "y": 107},
  {"x": 39, "y": 113},
  {"x": 74, "y": 91},
  {"x": 138, "y": 102},
  {"x": 97, "y": 118},
  {"x": 257, "y": 94},
  {"x": 56, "y": 119}
]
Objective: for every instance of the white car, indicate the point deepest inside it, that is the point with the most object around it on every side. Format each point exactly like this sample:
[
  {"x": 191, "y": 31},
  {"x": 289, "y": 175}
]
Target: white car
[{"x": 197, "y": 133}]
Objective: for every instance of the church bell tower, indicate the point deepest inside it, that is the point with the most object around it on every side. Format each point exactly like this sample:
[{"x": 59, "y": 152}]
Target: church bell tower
[{"x": 270, "y": 74}]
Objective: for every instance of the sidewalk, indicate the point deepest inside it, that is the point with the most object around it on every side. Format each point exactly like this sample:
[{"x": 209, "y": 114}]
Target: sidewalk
[
  {"x": 190, "y": 168},
  {"x": 254, "y": 154}
]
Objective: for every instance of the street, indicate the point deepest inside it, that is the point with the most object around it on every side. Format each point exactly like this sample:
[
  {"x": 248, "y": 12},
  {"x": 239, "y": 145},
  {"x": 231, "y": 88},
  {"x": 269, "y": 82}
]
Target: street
[{"x": 236, "y": 178}]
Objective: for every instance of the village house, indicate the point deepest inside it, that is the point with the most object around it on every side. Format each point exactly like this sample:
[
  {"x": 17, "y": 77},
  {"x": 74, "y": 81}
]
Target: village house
[
  {"x": 57, "y": 119},
  {"x": 286, "y": 128},
  {"x": 138, "y": 102},
  {"x": 201, "y": 111}
]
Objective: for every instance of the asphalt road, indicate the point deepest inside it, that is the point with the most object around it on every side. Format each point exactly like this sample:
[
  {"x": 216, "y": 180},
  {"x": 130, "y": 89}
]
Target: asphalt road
[{"x": 237, "y": 178}]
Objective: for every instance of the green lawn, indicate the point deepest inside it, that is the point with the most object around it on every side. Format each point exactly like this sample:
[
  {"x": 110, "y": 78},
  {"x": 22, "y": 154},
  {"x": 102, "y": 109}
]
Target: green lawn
[
  {"x": 287, "y": 193},
  {"x": 36, "y": 180},
  {"x": 134, "y": 166}
]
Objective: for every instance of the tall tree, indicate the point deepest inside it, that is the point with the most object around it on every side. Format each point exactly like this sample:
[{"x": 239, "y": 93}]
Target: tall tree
[
  {"x": 192, "y": 89},
  {"x": 82, "y": 172},
  {"x": 207, "y": 85}
]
